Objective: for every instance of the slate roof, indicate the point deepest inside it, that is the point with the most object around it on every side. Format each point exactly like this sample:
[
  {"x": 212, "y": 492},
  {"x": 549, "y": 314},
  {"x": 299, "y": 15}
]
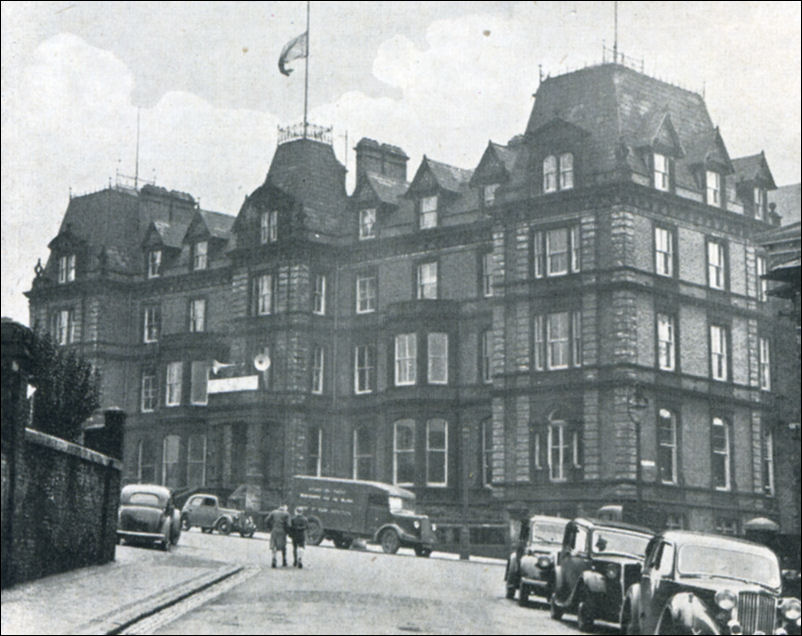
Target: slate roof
[
  {"x": 788, "y": 199},
  {"x": 619, "y": 107},
  {"x": 172, "y": 234},
  {"x": 753, "y": 167},
  {"x": 218, "y": 224},
  {"x": 505, "y": 154},
  {"x": 386, "y": 189},
  {"x": 449, "y": 177}
]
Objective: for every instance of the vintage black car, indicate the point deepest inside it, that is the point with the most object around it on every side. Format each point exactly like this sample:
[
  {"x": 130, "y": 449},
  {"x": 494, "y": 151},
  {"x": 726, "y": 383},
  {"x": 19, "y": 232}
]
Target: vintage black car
[
  {"x": 148, "y": 515},
  {"x": 530, "y": 569},
  {"x": 598, "y": 561},
  {"x": 205, "y": 511},
  {"x": 694, "y": 583}
]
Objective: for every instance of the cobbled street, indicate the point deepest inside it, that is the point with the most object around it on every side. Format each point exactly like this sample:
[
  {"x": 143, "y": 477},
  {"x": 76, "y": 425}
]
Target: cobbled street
[{"x": 353, "y": 591}]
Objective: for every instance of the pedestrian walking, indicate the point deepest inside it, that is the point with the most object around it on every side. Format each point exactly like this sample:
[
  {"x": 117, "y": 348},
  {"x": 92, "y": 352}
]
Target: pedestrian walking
[
  {"x": 298, "y": 527},
  {"x": 278, "y": 523}
]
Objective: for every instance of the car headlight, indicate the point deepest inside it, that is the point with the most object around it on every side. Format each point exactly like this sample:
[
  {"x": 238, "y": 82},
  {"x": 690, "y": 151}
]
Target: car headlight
[
  {"x": 416, "y": 524},
  {"x": 726, "y": 600},
  {"x": 544, "y": 562},
  {"x": 611, "y": 571},
  {"x": 791, "y": 609}
]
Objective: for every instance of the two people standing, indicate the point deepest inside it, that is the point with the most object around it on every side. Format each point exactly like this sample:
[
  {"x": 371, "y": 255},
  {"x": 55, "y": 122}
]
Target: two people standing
[{"x": 280, "y": 524}]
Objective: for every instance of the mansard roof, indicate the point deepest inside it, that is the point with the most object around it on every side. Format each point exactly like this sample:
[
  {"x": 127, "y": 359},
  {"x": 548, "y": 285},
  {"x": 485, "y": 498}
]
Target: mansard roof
[
  {"x": 754, "y": 168},
  {"x": 621, "y": 109}
]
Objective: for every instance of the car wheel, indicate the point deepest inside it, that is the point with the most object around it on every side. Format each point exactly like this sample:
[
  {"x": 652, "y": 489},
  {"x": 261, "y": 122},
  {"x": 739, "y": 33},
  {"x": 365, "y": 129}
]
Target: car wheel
[
  {"x": 224, "y": 526},
  {"x": 185, "y": 523},
  {"x": 247, "y": 534},
  {"x": 584, "y": 615},
  {"x": 390, "y": 541},
  {"x": 555, "y": 611},
  {"x": 343, "y": 542},
  {"x": 422, "y": 552},
  {"x": 523, "y": 594},
  {"x": 314, "y": 532},
  {"x": 166, "y": 544}
]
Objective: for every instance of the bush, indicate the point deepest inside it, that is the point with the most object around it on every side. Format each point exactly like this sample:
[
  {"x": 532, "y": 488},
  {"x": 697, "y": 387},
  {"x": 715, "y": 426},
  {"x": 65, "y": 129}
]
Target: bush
[{"x": 67, "y": 389}]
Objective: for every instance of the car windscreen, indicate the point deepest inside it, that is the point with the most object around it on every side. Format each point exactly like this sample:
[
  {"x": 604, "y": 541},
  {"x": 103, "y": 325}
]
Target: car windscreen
[
  {"x": 144, "y": 499},
  {"x": 727, "y": 562},
  {"x": 619, "y": 542},
  {"x": 546, "y": 532},
  {"x": 401, "y": 504}
]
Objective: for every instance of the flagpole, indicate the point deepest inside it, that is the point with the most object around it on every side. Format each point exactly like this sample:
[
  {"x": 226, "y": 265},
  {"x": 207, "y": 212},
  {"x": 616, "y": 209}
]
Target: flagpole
[{"x": 306, "y": 72}]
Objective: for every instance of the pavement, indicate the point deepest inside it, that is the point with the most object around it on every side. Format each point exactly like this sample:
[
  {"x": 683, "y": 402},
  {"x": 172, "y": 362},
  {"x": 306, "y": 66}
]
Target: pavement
[{"x": 105, "y": 599}]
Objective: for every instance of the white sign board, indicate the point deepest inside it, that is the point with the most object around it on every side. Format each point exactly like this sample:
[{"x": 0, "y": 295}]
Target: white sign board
[{"x": 229, "y": 385}]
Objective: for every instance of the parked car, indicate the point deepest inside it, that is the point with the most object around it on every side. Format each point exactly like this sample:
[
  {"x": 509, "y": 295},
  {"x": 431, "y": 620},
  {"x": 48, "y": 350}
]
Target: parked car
[
  {"x": 708, "y": 584},
  {"x": 596, "y": 564},
  {"x": 206, "y": 512},
  {"x": 148, "y": 514},
  {"x": 530, "y": 569},
  {"x": 345, "y": 509}
]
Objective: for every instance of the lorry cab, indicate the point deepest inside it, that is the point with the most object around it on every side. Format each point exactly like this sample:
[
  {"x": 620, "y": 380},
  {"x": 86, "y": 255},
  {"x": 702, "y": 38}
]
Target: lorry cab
[{"x": 344, "y": 509}]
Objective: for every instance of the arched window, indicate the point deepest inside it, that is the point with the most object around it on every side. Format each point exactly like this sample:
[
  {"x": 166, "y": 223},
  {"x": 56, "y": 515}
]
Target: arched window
[{"x": 550, "y": 174}]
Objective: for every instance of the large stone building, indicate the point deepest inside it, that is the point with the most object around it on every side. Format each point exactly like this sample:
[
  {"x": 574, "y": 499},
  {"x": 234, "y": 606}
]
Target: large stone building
[{"x": 578, "y": 321}]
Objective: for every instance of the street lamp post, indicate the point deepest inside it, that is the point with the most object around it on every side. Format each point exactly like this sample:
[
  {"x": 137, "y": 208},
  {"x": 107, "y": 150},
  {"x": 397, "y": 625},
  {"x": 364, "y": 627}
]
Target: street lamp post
[{"x": 637, "y": 403}]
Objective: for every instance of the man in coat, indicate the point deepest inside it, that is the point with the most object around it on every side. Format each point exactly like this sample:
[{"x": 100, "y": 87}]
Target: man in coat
[
  {"x": 298, "y": 527},
  {"x": 278, "y": 523}
]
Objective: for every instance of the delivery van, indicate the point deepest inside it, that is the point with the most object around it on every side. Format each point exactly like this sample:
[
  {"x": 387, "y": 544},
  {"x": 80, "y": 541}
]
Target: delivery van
[{"x": 345, "y": 509}]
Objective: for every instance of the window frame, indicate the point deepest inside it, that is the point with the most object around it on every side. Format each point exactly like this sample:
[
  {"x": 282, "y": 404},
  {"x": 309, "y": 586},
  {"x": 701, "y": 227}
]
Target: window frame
[
  {"x": 318, "y": 369},
  {"x": 433, "y": 360},
  {"x": 316, "y": 433},
  {"x": 563, "y": 446},
  {"x": 200, "y": 257},
  {"x": 195, "y": 325},
  {"x": 673, "y": 446},
  {"x": 151, "y": 323},
  {"x": 368, "y": 369},
  {"x": 762, "y": 285},
  {"x": 203, "y": 372},
  {"x": 430, "y": 483},
  {"x": 410, "y": 361},
  {"x": 63, "y": 326},
  {"x": 488, "y": 194},
  {"x": 542, "y": 253},
  {"x": 173, "y": 377},
  {"x": 721, "y": 358},
  {"x": 759, "y": 196},
  {"x": 66, "y": 268},
  {"x": 725, "y": 453},
  {"x": 486, "y": 356},
  {"x": 193, "y": 462},
  {"x": 410, "y": 450},
  {"x": 426, "y": 213},
  {"x": 671, "y": 343},
  {"x": 566, "y": 178},
  {"x": 268, "y": 227},
  {"x": 357, "y": 456},
  {"x": 486, "y": 430},
  {"x": 154, "y": 264},
  {"x": 319, "y": 295},
  {"x": 550, "y": 172},
  {"x": 669, "y": 256},
  {"x": 764, "y": 363},
  {"x": 148, "y": 395},
  {"x": 258, "y": 293},
  {"x": 713, "y": 188},
  {"x": 563, "y": 343},
  {"x": 166, "y": 441},
  {"x": 362, "y": 234},
  {"x": 421, "y": 287},
  {"x": 767, "y": 460},
  {"x": 369, "y": 298},
  {"x": 487, "y": 268},
  {"x": 714, "y": 269},
  {"x": 661, "y": 172}
]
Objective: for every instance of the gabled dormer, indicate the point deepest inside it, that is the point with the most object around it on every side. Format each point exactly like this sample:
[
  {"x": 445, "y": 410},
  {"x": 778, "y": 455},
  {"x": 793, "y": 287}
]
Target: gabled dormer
[
  {"x": 658, "y": 146},
  {"x": 161, "y": 246},
  {"x": 710, "y": 164},
  {"x": 206, "y": 237},
  {"x": 557, "y": 155},
  {"x": 753, "y": 180},
  {"x": 434, "y": 187},
  {"x": 267, "y": 216},
  {"x": 492, "y": 172},
  {"x": 375, "y": 197},
  {"x": 68, "y": 256}
]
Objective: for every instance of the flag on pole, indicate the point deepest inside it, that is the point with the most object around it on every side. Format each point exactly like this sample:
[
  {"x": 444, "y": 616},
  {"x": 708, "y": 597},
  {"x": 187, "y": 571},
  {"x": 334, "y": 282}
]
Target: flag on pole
[{"x": 293, "y": 50}]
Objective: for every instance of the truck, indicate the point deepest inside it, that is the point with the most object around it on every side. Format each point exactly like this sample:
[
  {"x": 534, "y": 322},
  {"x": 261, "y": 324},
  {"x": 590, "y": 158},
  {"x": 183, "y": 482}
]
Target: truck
[{"x": 346, "y": 509}]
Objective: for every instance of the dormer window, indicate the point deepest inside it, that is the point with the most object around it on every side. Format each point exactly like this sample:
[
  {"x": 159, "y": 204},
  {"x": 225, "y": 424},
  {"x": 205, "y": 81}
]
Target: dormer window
[
  {"x": 154, "y": 263},
  {"x": 489, "y": 193},
  {"x": 268, "y": 228},
  {"x": 367, "y": 224},
  {"x": 713, "y": 188},
  {"x": 558, "y": 173},
  {"x": 760, "y": 203},
  {"x": 661, "y": 172},
  {"x": 428, "y": 212},
  {"x": 66, "y": 269},
  {"x": 566, "y": 171},
  {"x": 200, "y": 255},
  {"x": 550, "y": 174}
]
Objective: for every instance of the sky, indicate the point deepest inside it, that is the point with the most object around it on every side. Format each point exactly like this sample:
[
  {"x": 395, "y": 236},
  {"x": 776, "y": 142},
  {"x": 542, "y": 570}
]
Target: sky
[{"x": 440, "y": 78}]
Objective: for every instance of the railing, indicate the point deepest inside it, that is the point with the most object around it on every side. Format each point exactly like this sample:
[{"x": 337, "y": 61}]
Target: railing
[{"x": 305, "y": 131}]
